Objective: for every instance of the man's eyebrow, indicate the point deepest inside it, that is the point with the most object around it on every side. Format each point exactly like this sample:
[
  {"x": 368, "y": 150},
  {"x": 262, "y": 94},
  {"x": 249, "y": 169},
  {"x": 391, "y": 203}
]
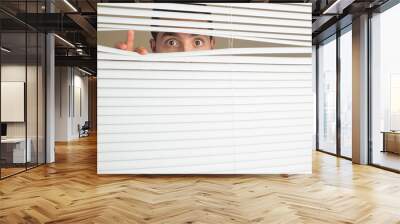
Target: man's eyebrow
[
  {"x": 175, "y": 34},
  {"x": 168, "y": 34},
  {"x": 195, "y": 35}
]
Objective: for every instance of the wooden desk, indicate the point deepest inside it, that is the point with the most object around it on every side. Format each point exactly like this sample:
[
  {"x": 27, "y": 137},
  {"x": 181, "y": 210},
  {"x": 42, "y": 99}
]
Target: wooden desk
[
  {"x": 18, "y": 150},
  {"x": 391, "y": 141}
]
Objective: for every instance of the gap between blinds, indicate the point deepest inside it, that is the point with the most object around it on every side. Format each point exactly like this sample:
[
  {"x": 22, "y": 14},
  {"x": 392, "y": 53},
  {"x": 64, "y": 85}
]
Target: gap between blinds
[{"x": 273, "y": 23}]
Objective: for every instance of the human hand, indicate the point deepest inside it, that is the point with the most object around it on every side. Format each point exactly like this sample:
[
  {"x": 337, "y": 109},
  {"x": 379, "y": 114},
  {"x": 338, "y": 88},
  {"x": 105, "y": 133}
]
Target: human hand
[{"x": 129, "y": 44}]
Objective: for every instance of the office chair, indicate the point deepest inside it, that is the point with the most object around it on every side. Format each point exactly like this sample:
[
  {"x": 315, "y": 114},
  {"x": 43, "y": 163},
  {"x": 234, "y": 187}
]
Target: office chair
[{"x": 84, "y": 130}]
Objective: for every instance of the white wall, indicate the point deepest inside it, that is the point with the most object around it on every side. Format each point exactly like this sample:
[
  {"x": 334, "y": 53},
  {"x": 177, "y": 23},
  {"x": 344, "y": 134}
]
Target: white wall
[
  {"x": 62, "y": 81},
  {"x": 70, "y": 83},
  {"x": 80, "y": 109}
]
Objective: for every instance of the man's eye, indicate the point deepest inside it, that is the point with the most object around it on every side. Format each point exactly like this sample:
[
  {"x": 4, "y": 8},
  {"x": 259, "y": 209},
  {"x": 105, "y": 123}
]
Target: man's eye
[
  {"x": 198, "y": 43},
  {"x": 172, "y": 43}
]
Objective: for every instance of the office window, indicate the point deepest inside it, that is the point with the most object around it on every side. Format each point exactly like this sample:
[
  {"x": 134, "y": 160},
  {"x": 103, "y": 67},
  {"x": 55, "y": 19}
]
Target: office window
[
  {"x": 346, "y": 93},
  {"x": 327, "y": 96},
  {"x": 385, "y": 87}
]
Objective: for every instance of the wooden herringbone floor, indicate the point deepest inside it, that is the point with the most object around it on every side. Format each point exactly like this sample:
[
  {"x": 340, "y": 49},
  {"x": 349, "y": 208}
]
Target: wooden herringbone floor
[{"x": 70, "y": 191}]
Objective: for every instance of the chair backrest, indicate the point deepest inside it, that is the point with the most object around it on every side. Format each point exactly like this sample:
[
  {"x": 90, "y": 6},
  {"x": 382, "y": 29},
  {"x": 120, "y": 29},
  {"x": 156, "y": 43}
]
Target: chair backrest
[{"x": 86, "y": 125}]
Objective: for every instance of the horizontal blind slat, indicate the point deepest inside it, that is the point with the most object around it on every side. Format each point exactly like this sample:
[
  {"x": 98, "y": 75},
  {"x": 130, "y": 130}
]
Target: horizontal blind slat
[
  {"x": 175, "y": 128},
  {"x": 163, "y": 85},
  {"x": 197, "y": 134},
  {"x": 193, "y": 118},
  {"x": 301, "y": 7},
  {"x": 150, "y": 155},
  {"x": 174, "y": 66},
  {"x": 140, "y": 110},
  {"x": 213, "y": 52},
  {"x": 154, "y": 101},
  {"x": 186, "y": 11},
  {"x": 211, "y": 59},
  {"x": 115, "y": 74},
  {"x": 265, "y": 28},
  {"x": 167, "y": 164},
  {"x": 185, "y": 93},
  {"x": 199, "y": 144}
]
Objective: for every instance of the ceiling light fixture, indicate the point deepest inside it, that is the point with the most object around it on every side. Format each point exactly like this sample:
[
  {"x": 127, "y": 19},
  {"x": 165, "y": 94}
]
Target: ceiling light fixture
[
  {"x": 70, "y": 5},
  {"x": 79, "y": 51},
  {"x": 84, "y": 71},
  {"x": 64, "y": 40},
  {"x": 337, "y": 7},
  {"x": 5, "y": 50}
]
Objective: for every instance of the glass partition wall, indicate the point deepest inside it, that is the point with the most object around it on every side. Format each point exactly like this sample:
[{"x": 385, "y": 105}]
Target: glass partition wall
[
  {"x": 334, "y": 105},
  {"x": 22, "y": 77},
  {"x": 13, "y": 89}
]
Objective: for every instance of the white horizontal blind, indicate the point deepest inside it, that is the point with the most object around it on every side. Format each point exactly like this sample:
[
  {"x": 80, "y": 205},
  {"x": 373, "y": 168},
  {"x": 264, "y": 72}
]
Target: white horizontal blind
[
  {"x": 229, "y": 111},
  {"x": 278, "y": 23}
]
